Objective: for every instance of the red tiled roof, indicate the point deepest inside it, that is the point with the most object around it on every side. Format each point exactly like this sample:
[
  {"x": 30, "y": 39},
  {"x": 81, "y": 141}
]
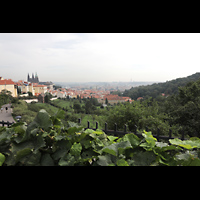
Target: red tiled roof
[
  {"x": 18, "y": 84},
  {"x": 37, "y": 94},
  {"x": 126, "y": 98},
  {"x": 39, "y": 86},
  {"x": 61, "y": 92},
  {"x": 115, "y": 97},
  {"x": 7, "y": 82},
  {"x": 139, "y": 98},
  {"x": 97, "y": 96}
]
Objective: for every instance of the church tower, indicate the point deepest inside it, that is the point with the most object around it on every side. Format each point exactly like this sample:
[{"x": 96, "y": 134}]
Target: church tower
[
  {"x": 28, "y": 78},
  {"x": 36, "y": 78},
  {"x": 33, "y": 78}
]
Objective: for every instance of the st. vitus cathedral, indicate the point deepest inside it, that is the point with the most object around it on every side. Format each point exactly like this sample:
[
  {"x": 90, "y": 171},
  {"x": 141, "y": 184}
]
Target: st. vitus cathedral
[{"x": 33, "y": 79}]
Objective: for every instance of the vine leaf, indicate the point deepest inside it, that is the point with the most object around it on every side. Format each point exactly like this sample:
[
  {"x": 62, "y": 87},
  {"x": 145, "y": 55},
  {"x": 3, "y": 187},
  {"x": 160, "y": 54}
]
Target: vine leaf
[
  {"x": 2, "y": 159},
  {"x": 46, "y": 160},
  {"x": 187, "y": 144},
  {"x": 76, "y": 149},
  {"x": 43, "y": 119},
  {"x": 104, "y": 160}
]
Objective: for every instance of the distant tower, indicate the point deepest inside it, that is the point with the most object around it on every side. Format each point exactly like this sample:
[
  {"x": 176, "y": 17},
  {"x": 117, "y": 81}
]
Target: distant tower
[
  {"x": 33, "y": 78},
  {"x": 36, "y": 78},
  {"x": 28, "y": 78}
]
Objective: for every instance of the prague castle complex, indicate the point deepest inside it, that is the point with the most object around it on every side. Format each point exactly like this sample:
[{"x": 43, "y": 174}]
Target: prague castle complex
[
  {"x": 25, "y": 88},
  {"x": 33, "y": 79}
]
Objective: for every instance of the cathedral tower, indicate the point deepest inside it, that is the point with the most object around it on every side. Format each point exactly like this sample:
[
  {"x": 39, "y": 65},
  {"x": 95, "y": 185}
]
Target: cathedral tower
[
  {"x": 36, "y": 78},
  {"x": 33, "y": 79},
  {"x": 28, "y": 78}
]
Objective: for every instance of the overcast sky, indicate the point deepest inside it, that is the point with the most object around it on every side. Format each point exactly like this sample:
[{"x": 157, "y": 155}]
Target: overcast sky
[{"x": 92, "y": 57}]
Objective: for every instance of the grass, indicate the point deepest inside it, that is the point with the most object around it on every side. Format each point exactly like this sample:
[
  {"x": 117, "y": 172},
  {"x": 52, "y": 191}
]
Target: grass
[
  {"x": 50, "y": 109},
  {"x": 92, "y": 119},
  {"x": 29, "y": 111},
  {"x": 62, "y": 103},
  {"x": 66, "y": 103}
]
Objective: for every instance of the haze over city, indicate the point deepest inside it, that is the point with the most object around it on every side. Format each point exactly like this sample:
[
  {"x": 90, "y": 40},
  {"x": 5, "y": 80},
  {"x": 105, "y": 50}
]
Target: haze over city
[{"x": 99, "y": 57}]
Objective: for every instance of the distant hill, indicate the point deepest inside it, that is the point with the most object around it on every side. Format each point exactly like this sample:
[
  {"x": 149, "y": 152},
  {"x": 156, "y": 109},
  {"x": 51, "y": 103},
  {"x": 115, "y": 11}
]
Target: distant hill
[{"x": 156, "y": 89}]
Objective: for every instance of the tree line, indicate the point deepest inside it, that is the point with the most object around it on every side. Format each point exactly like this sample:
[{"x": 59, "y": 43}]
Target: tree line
[{"x": 156, "y": 89}]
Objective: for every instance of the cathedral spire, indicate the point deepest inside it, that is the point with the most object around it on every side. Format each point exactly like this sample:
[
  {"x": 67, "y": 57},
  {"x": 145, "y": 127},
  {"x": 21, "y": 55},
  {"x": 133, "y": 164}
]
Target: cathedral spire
[
  {"x": 36, "y": 78},
  {"x": 28, "y": 78}
]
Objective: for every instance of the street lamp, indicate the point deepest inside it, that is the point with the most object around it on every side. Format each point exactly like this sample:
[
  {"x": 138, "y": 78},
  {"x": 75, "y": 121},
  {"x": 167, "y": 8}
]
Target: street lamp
[{"x": 18, "y": 118}]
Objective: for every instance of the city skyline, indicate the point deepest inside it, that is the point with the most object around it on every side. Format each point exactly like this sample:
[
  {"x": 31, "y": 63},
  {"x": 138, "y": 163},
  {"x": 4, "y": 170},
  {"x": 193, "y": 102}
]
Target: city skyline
[{"x": 99, "y": 57}]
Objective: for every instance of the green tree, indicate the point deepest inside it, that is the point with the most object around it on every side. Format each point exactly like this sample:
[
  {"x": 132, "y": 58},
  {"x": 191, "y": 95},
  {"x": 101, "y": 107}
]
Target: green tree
[
  {"x": 141, "y": 114},
  {"x": 88, "y": 107},
  {"x": 154, "y": 90},
  {"x": 5, "y": 97},
  {"x": 77, "y": 107},
  {"x": 47, "y": 97},
  {"x": 19, "y": 91},
  {"x": 184, "y": 108},
  {"x": 30, "y": 94}
]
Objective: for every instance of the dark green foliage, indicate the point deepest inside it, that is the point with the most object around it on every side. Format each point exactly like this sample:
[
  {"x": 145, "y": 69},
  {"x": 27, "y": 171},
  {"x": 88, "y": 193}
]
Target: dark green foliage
[
  {"x": 140, "y": 114},
  {"x": 6, "y": 97},
  {"x": 90, "y": 105},
  {"x": 47, "y": 97},
  {"x": 77, "y": 107},
  {"x": 30, "y": 94},
  {"x": 47, "y": 142},
  {"x": 184, "y": 108},
  {"x": 106, "y": 101},
  {"x": 155, "y": 90}
]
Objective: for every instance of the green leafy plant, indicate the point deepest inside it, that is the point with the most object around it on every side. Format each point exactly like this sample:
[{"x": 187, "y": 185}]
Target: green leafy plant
[{"x": 46, "y": 141}]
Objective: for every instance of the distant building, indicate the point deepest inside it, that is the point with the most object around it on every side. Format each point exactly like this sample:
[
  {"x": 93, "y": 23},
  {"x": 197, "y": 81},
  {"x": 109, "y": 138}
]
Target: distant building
[
  {"x": 26, "y": 87},
  {"x": 34, "y": 79},
  {"x": 114, "y": 99},
  {"x": 48, "y": 84},
  {"x": 39, "y": 89},
  {"x": 8, "y": 84},
  {"x": 139, "y": 98},
  {"x": 61, "y": 94}
]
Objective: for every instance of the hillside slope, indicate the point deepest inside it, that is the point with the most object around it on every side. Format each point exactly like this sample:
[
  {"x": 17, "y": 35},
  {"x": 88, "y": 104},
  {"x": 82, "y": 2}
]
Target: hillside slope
[{"x": 156, "y": 89}]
